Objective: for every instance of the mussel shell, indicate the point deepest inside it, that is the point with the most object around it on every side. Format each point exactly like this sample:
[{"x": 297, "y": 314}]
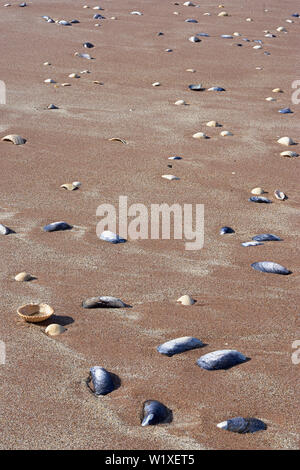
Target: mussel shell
[
  {"x": 102, "y": 381},
  {"x": 88, "y": 45},
  {"x": 57, "y": 226},
  {"x": 266, "y": 237},
  {"x": 285, "y": 111},
  {"x": 270, "y": 267},
  {"x": 179, "y": 345},
  {"x": 103, "y": 302},
  {"x": 226, "y": 230},
  {"x": 216, "y": 88},
  {"x": 223, "y": 359},
  {"x": 198, "y": 87},
  {"x": 243, "y": 425},
  {"x": 259, "y": 199},
  {"x": 154, "y": 412},
  {"x": 252, "y": 243},
  {"x": 4, "y": 230}
]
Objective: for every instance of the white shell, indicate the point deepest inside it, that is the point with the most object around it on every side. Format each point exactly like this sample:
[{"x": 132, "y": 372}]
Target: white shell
[
  {"x": 289, "y": 153},
  {"x": 156, "y": 84},
  {"x": 180, "y": 102},
  {"x": 236, "y": 34},
  {"x": 200, "y": 135},
  {"x": 225, "y": 133},
  {"x": 170, "y": 177},
  {"x": 257, "y": 47},
  {"x": 213, "y": 124},
  {"x": 23, "y": 277},
  {"x": 74, "y": 75},
  {"x": 279, "y": 195},
  {"x": 223, "y": 13},
  {"x": 249, "y": 19},
  {"x": 54, "y": 329},
  {"x": 257, "y": 191},
  {"x": 281, "y": 29},
  {"x": 277, "y": 90},
  {"x": 270, "y": 98},
  {"x": 14, "y": 138},
  {"x": 186, "y": 300},
  {"x": 285, "y": 141},
  {"x": 76, "y": 184}
]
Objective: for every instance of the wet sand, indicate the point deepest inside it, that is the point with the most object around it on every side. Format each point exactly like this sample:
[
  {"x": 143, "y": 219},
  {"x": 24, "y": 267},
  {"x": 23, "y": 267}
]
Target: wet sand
[{"x": 44, "y": 400}]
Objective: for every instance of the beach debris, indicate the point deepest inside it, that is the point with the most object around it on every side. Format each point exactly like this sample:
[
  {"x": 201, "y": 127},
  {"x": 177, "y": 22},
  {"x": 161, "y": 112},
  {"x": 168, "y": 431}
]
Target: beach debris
[
  {"x": 14, "y": 138},
  {"x": 64, "y": 23},
  {"x": 74, "y": 75},
  {"x": 100, "y": 381},
  {"x": 84, "y": 56},
  {"x": 266, "y": 237},
  {"x": 213, "y": 124},
  {"x": 270, "y": 267},
  {"x": 175, "y": 158},
  {"x": 285, "y": 111},
  {"x": 286, "y": 141},
  {"x": 270, "y": 98},
  {"x": 194, "y": 39},
  {"x": 103, "y": 302},
  {"x": 198, "y": 87},
  {"x": 179, "y": 345},
  {"x": 243, "y": 425},
  {"x": 136, "y": 13},
  {"x": 216, "y": 88},
  {"x": 49, "y": 80},
  {"x": 251, "y": 243},
  {"x": 111, "y": 237},
  {"x": 186, "y": 300},
  {"x": 57, "y": 226},
  {"x": 54, "y": 329},
  {"x": 24, "y": 277},
  {"x": 280, "y": 195},
  {"x": 225, "y": 230},
  {"x": 180, "y": 103},
  {"x": 223, "y": 13},
  {"x": 170, "y": 177},
  {"x": 4, "y": 230},
  {"x": 277, "y": 90},
  {"x": 257, "y": 191},
  {"x": 200, "y": 135},
  {"x": 117, "y": 139},
  {"x": 70, "y": 186},
  {"x": 154, "y": 412},
  {"x": 35, "y": 313},
  {"x": 259, "y": 199},
  {"x": 289, "y": 153},
  {"x": 52, "y": 106},
  {"x": 223, "y": 359},
  {"x": 225, "y": 133},
  {"x": 156, "y": 84}
]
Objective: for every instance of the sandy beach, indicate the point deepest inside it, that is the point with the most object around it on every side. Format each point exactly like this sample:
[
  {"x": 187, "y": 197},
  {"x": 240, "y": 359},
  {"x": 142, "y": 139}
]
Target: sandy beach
[{"x": 45, "y": 403}]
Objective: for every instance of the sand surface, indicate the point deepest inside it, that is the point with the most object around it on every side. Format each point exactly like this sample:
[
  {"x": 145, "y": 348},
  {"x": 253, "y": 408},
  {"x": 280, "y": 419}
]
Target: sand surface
[{"x": 44, "y": 400}]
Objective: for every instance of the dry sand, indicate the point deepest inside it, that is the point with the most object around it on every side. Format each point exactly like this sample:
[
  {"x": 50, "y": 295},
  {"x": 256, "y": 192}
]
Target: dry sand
[{"x": 44, "y": 400}]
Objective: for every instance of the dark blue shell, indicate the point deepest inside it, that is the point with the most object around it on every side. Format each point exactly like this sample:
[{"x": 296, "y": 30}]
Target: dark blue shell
[
  {"x": 259, "y": 199},
  {"x": 205, "y": 35},
  {"x": 175, "y": 158},
  {"x": 89, "y": 45},
  {"x": 191, "y": 20},
  {"x": 270, "y": 267},
  {"x": 217, "y": 88},
  {"x": 223, "y": 359},
  {"x": 111, "y": 237},
  {"x": 196, "y": 87},
  {"x": 243, "y": 425},
  {"x": 226, "y": 230},
  {"x": 102, "y": 381},
  {"x": 285, "y": 111},
  {"x": 57, "y": 226},
  {"x": 154, "y": 412},
  {"x": 246, "y": 39},
  {"x": 75, "y": 21},
  {"x": 98, "y": 17},
  {"x": 179, "y": 345},
  {"x": 266, "y": 237},
  {"x": 295, "y": 15}
]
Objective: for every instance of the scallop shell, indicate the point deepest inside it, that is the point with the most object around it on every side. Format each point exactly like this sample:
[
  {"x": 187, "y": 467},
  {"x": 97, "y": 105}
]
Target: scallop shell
[
  {"x": 270, "y": 267},
  {"x": 243, "y": 425},
  {"x": 117, "y": 139},
  {"x": 289, "y": 153},
  {"x": 35, "y": 313},
  {"x": 223, "y": 359},
  {"x": 280, "y": 195},
  {"x": 285, "y": 141},
  {"x": 179, "y": 345},
  {"x": 200, "y": 135},
  {"x": 54, "y": 329},
  {"x": 14, "y": 138},
  {"x": 23, "y": 277},
  {"x": 154, "y": 412},
  {"x": 257, "y": 191},
  {"x": 170, "y": 177},
  {"x": 186, "y": 300}
]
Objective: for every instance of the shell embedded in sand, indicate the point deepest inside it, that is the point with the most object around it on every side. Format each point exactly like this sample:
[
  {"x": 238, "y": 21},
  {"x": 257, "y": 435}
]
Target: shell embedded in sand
[
  {"x": 170, "y": 177},
  {"x": 186, "y": 300},
  {"x": 69, "y": 186},
  {"x": 117, "y": 139},
  {"x": 213, "y": 124},
  {"x": 223, "y": 13},
  {"x": 257, "y": 191},
  {"x": 35, "y": 313},
  {"x": 243, "y": 425},
  {"x": 74, "y": 75},
  {"x": 285, "y": 141},
  {"x": 225, "y": 133},
  {"x": 155, "y": 412},
  {"x": 180, "y": 102},
  {"x": 194, "y": 39},
  {"x": 280, "y": 195},
  {"x": 289, "y": 153},
  {"x": 54, "y": 329},
  {"x": 200, "y": 135},
  {"x": 277, "y": 90},
  {"x": 23, "y": 277},
  {"x": 14, "y": 138}
]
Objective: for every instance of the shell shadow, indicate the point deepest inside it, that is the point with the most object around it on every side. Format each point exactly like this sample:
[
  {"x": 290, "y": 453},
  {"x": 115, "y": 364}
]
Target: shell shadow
[{"x": 62, "y": 320}]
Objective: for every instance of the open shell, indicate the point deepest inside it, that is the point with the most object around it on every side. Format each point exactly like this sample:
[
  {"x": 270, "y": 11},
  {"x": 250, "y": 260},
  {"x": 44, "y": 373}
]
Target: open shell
[
  {"x": 14, "y": 138},
  {"x": 117, "y": 139},
  {"x": 35, "y": 313}
]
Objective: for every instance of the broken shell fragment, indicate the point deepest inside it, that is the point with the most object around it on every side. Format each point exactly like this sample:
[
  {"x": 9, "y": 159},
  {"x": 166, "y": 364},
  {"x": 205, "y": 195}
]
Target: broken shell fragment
[
  {"x": 24, "y": 277},
  {"x": 54, "y": 329},
  {"x": 156, "y": 84},
  {"x": 117, "y": 139},
  {"x": 170, "y": 177},
  {"x": 103, "y": 302},
  {"x": 14, "y": 138},
  {"x": 186, "y": 300},
  {"x": 280, "y": 195},
  {"x": 69, "y": 186}
]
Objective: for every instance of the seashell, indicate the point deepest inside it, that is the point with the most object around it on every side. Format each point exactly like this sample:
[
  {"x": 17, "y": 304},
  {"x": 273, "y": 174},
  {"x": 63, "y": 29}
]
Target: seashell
[
  {"x": 281, "y": 29},
  {"x": 7, "y": 5},
  {"x": 206, "y": 14},
  {"x": 46, "y": 63},
  {"x": 4, "y": 230},
  {"x": 156, "y": 84},
  {"x": 196, "y": 87},
  {"x": 236, "y": 34},
  {"x": 223, "y": 13},
  {"x": 270, "y": 98},
  {"x": 74, "y": 75},
  {"x": 223, "y": 359},
  {"x": 179, "y": 345},
  {"x": 180, "y": 102},
  {"x": 57, "y": 226},
  {"x": 136, "y": 13},
  {"x": 288, "y": 21},
  {"x": 117, "y": 139},
  {"x": 266, "y": 237},
  {"x": 225, "y": 133},
  {"x": 243, "y": 425},
  {"x": 216, "y": 88},
  {"x": 226, "y": 36},
  {"x": 249, "y": 19},
  {"x": 104, "y": 302},
  {"x": 270, "y": 267},
  {"x": 226, "y": 230},
  {"x": 285, "y": 111},
  {"x": 191, "y": 20},
  {"x": 49, "y": 80},
  {"x": 111, "y": 237},
  {"x": 77, "y": 184},
  {"x": 193, "y": 71},
  {"x": 170, "y": 177},
  {"x": 74, "y": 21},
  {"x": 194, "y": 39},
  {"x": 259, "y": 199},
  {"x": 168, "y": 50},
  {"x": 50, "y": 20},
  {"x": 188, "y": 4},
  {"x": 295, "y": 15},
  {"x": 35, "y": 313},
  {"x": 252, "y": 243},
  {"x": 277, "y": 90},
  {"x": 205, "y": 35},
  {"x": 175, "y": 158},
  {"x": 98, "y": 17},
  {"x": 101, "y": 381},
  {"x": 88, "y": 45},
  {"x": 23, "y": 4},
  {"x": 289, "y": 153},
  {"x": 97, "y": 8},
  {"x": 280, "y": 195},
  {"x": 257, "y": 47},
  {"x": 69, "y": 186},
  {"x": 186, "y": 300},
  {"x": 257, "y": 191},
  {"x": 286, "y": 141},
  {"x": 213, "y": 124},
  {"x": 54, "y": 329},
  {"x": 269, "y": 35},
  {"x": 14, "y": 138},
  {"x": 66, "y": 84},
  {"x": 24, "y": 277},
  {"x": 154, "y": 412},
  {"x": 84, "y": 56},
  {"x": 200, "y": 135},
  {"x": 64, "y": 23},
  {"x": 52, "y": 106}
]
